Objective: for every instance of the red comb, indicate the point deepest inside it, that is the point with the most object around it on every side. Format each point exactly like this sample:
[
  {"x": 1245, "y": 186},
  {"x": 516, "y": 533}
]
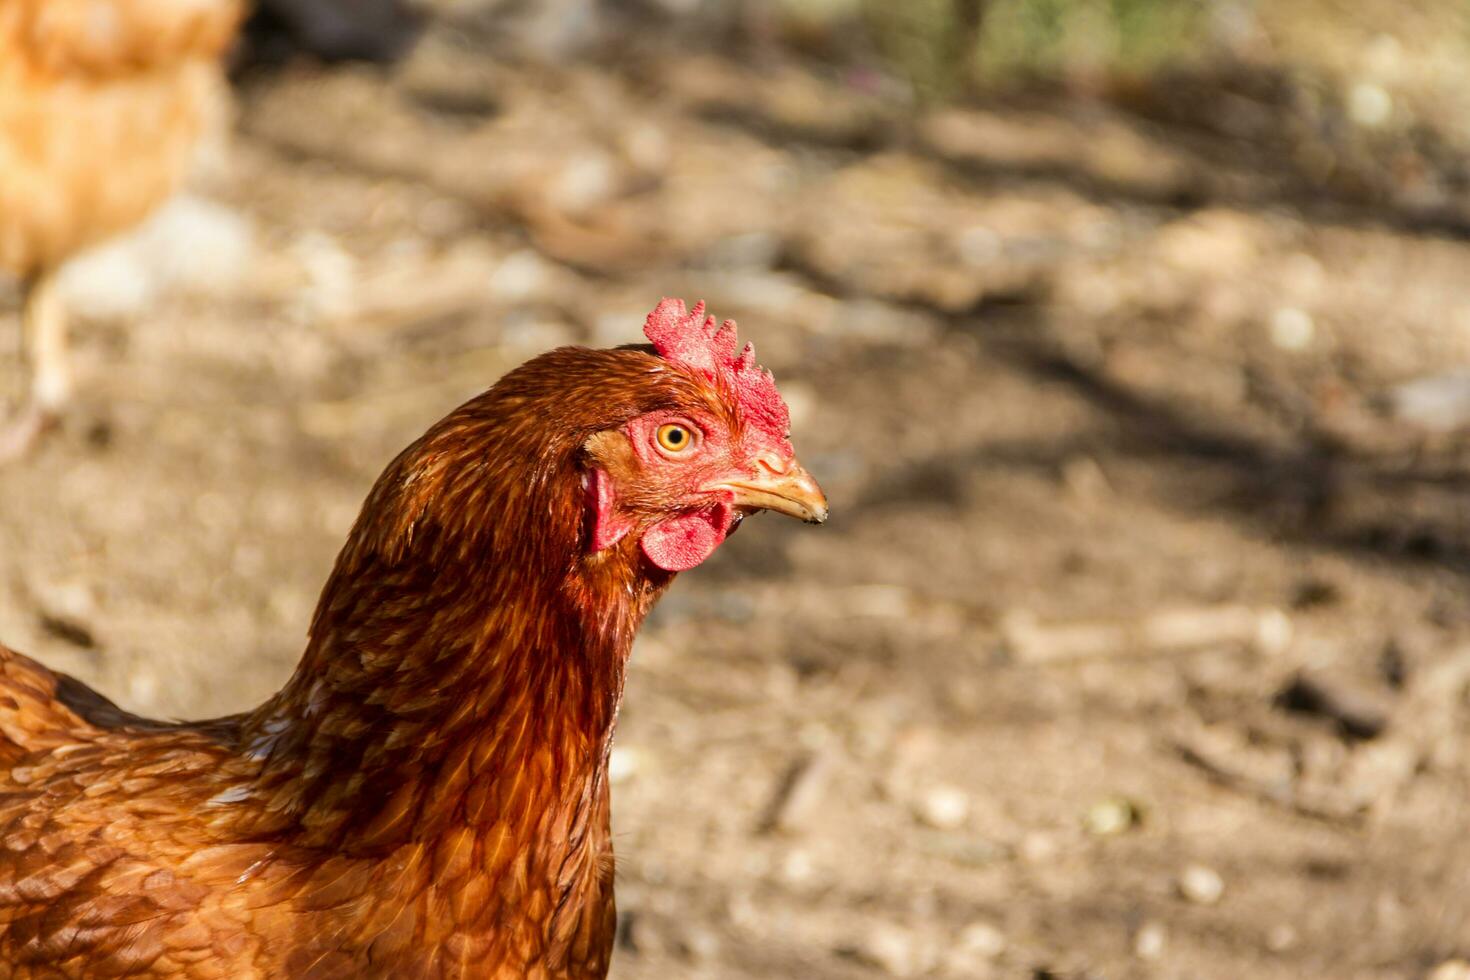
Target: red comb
[{"x": 690, "y": 338}]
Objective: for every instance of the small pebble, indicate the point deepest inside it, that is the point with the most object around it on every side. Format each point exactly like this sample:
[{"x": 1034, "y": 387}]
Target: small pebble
[
  {"x": 1292, "y": 329},
  {"x": 1109, "y": 817},
  {"x": 1369, "y": 105},
  {"x": 1273, "y": 632},
  {"x": 1201, "y": 885},
  {"x": 944, "y": 808},
  {"x": 797, "y": 867},
  {"x": 1149, "y": 941}
]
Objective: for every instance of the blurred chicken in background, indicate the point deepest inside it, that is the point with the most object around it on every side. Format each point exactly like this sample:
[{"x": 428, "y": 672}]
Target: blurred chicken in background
[{"x": 102, "y": 105}]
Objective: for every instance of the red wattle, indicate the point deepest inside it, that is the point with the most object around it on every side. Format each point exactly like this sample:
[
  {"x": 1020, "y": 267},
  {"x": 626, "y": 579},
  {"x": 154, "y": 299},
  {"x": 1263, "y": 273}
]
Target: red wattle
[{"x": 680, "y": 543}]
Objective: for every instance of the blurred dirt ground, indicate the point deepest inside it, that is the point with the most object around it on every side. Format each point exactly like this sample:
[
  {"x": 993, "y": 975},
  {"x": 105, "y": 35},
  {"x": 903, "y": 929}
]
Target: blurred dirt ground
[{"x": 1138, "y": 644}]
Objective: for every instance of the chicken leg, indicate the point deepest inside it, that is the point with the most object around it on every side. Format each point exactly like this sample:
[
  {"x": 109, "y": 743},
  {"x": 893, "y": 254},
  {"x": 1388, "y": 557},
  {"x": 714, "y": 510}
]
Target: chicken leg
[{"x": 43, "y": 322}]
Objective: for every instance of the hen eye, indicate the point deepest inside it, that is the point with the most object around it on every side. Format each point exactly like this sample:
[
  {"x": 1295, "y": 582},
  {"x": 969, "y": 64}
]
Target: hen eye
[{"x": 674, "y": 437}]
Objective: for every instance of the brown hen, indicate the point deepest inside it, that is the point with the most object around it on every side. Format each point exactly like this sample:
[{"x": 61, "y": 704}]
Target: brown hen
[
  {"x": 102, "y": 103},
  {"x": 427, "y": 796}
]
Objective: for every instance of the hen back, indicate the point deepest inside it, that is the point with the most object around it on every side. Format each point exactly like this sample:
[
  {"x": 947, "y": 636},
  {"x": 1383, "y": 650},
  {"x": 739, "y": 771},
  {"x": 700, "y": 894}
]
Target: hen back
[
  {"x": 102, "y": 103},
  {"x": 78, "y": 897}
]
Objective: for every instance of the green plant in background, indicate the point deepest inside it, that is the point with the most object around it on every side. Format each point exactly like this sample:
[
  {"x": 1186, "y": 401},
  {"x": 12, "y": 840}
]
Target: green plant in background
[
  {"x": 1378, "y": 90},
  {"x": 933, "y": 42},
  {"x": 944, "y": 45},
  {"x": 1151, "y": 32}
]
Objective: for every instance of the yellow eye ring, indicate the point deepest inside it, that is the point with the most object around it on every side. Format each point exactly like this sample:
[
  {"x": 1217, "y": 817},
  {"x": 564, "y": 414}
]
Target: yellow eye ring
[{"x": 674, "y": 437}]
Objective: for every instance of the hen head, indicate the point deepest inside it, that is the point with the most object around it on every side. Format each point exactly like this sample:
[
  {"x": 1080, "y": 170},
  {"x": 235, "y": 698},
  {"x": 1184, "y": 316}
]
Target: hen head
[{"x": 681, "y": 476}]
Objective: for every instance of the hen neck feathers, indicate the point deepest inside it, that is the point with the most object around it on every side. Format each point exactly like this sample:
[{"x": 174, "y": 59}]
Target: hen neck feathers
[{"x": 467, "y": 658}]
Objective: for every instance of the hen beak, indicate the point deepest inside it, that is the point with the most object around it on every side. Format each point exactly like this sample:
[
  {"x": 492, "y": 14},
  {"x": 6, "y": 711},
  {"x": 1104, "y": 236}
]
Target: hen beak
[{"x": 784, "y": 487}]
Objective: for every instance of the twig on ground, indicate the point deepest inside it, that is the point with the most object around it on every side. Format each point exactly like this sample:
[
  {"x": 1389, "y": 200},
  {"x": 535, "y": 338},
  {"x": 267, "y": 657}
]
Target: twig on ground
[{"x": 1332, "y": 808}]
